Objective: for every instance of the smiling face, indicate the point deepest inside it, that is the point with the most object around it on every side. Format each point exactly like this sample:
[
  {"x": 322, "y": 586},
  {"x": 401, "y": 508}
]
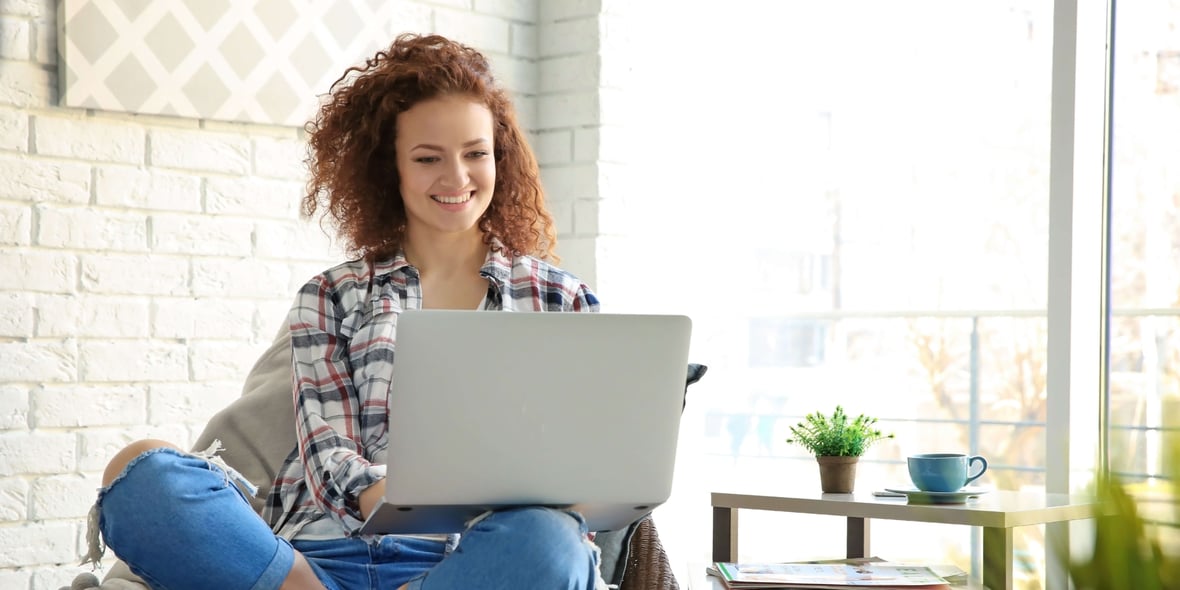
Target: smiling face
[{"x": 445, "y": 161}]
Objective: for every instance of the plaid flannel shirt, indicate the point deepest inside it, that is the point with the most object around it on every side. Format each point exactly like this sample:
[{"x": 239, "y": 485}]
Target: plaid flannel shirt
[{"x": 343, "y": 326}]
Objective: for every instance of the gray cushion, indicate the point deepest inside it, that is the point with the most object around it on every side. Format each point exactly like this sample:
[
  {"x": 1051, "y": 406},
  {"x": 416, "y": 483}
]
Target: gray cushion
[{"x": 257, "y": 430}]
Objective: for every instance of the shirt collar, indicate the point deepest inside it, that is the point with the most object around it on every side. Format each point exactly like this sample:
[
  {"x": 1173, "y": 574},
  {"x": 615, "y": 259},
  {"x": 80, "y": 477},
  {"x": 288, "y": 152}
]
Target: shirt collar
[
  {"x": 497, "y": 267},
  {"x": 387, "y": 266}
]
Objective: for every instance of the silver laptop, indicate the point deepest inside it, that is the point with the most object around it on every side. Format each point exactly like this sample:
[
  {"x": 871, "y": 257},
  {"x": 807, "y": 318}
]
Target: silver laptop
[{"x": 494, "y": 409}]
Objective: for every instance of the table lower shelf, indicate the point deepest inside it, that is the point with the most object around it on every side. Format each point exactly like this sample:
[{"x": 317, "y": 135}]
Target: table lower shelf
[{"x": 698, "y": 579}]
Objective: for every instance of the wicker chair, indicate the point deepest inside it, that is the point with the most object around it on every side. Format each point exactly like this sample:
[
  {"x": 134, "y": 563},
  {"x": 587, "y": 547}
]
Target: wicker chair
[{"x": 647, "y": 563}]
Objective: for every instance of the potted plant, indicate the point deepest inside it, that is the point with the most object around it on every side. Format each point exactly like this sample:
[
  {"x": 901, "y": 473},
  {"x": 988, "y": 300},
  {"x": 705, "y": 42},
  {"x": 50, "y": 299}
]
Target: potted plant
[
  {"x": 837, "y": 443},
  {"x": 1135, "y": 543}
]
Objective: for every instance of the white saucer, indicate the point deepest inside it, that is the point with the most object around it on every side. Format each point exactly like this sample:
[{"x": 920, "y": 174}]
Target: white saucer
[{"x": 916, "y": 496}]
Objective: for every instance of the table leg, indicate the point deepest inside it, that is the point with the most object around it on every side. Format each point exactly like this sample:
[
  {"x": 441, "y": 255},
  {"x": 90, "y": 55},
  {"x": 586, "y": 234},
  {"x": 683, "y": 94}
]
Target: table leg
[
  {"x": 725, "y": 534},
  {"x": 998, "y": 560},
  {"x": 857, "y": 538}
]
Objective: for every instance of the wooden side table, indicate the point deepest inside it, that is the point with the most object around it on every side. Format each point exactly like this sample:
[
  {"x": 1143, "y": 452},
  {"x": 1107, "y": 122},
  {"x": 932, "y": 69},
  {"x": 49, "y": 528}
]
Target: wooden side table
[{"x": 998, "y": 512}]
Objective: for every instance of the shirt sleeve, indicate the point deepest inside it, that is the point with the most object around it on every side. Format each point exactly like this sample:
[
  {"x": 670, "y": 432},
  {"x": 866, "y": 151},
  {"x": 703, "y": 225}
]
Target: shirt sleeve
[
  {"x": 584, "y": 299},
  {"x": 328, "y": 409}
]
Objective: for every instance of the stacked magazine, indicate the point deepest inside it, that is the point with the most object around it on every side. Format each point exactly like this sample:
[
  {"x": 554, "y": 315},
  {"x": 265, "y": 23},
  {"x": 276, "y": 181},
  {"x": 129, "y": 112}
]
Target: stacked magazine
[{"x": 868, "y": 574}]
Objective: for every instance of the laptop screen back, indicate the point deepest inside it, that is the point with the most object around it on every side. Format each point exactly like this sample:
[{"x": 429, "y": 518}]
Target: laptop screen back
[{"x": 496, "y": 409}]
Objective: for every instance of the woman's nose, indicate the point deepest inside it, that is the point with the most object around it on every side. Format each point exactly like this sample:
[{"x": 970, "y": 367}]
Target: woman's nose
[{"x": 455, "y": 175}]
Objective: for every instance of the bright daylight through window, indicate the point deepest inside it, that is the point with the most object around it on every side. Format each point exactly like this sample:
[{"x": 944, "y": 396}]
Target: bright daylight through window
[{"x": 854, "y": 200}]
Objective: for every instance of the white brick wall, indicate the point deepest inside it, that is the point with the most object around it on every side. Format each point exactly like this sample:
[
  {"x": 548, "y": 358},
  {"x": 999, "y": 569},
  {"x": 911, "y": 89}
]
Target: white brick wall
[
  {"x": 133, "y": 298},
  {"x": 145, "y": 261},
  {"x": 570, "y": 114}
]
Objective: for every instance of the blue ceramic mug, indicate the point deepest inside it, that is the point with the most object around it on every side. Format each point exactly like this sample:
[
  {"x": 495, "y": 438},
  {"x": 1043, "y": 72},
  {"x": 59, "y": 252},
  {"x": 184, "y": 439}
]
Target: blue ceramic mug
[{"x": 944, "y": 472}]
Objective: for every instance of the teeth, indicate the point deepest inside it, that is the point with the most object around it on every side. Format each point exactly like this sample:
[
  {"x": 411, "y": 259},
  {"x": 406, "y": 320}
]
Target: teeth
[{"x": 455, "y": 200}]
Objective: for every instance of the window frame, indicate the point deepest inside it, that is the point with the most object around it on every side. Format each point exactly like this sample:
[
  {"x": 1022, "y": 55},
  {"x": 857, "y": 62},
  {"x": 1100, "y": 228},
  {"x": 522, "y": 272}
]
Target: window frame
[{"x": 1078, "y": 303}]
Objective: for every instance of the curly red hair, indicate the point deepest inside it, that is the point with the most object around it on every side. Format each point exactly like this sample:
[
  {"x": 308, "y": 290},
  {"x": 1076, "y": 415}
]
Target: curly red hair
[{"x": 350, "y": 149}]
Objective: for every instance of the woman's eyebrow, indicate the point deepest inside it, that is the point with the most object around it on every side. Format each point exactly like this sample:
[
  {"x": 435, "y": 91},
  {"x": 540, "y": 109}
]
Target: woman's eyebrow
[{"x": 430, "y": 146}]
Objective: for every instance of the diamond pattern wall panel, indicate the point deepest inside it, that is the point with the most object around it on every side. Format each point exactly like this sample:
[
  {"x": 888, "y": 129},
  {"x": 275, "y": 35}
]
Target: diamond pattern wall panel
[{"x": 257, "y": 61}]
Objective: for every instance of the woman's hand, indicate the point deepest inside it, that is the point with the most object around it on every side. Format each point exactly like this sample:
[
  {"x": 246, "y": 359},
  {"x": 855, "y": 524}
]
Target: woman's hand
[{"x": 369, "y": 498}]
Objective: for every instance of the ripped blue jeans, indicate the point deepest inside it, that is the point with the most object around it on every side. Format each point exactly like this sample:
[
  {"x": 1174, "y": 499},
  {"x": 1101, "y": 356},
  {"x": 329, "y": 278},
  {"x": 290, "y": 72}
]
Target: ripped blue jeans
[{"x": 178, "y": 521}]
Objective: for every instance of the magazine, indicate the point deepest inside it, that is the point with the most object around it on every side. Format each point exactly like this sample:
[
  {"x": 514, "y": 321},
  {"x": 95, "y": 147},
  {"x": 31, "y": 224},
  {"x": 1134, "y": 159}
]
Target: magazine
[{"x": 869, "y": 574}]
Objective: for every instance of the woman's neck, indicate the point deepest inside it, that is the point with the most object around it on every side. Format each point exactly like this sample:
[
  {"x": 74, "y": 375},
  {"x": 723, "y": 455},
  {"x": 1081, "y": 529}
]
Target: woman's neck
[{"x": 446, "y": 255}]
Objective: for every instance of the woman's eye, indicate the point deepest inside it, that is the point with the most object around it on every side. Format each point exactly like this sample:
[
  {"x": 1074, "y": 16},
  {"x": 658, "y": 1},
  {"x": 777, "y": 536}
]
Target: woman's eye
[
  {"x": 477, "y": 154},
  {"x": 426, "y": 159}
]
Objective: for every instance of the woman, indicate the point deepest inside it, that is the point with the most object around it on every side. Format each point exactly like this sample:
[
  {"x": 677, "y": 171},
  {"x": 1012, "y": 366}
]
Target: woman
[{"x": 418, "y": 162}]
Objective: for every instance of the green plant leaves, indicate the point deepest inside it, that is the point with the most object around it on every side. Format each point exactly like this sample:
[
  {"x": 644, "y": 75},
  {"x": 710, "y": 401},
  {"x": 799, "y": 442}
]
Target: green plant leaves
[
  {"x": 1124, "y": 555},
  {"x": 836, "y": 435}
]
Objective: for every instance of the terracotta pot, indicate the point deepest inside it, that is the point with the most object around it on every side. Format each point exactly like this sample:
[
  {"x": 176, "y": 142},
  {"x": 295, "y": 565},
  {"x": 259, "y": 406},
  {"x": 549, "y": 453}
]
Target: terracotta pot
[{"x": 837, "y": 474}]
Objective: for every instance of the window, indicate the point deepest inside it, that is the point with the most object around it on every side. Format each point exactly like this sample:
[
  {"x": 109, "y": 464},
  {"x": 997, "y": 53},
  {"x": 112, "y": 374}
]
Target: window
[
  {"x": 1145, "y": 243},
  {"x": 865, "y": 188},
  {"x": 778, "y": 342}
]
